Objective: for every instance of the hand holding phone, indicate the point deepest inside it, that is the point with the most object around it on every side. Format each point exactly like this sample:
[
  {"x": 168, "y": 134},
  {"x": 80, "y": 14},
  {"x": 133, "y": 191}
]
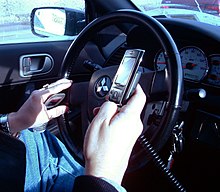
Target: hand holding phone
[{"x": 127, "y": 77}]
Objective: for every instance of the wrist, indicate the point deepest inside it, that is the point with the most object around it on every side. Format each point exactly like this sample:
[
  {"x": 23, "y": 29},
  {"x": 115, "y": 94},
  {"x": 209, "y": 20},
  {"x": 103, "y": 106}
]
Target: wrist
[
  {"x": 5, "y": 125},
  {"x": 13, "y": 122},
  {"x": 109, "y": 174}
]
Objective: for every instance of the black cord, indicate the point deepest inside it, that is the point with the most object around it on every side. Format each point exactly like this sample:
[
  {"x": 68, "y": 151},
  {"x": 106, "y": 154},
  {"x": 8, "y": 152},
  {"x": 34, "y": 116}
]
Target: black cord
[{"x": 159, "y": 163}]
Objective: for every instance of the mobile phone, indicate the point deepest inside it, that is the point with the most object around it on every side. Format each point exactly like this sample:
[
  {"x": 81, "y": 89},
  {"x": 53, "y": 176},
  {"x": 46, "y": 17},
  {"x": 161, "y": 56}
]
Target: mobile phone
[
  {"x": 126, "y": 77},
  {"x": 55, "y": 100}
]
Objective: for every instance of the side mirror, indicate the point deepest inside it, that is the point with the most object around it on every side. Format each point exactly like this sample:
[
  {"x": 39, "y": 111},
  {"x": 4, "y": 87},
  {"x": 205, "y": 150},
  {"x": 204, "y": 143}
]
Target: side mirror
[{"x": 53, "y": 21}]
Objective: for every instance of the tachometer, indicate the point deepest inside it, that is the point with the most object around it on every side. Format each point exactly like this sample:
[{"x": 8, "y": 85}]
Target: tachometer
[
  {"x": 160, "y": 61},
  {"x": 194, "y": 63}
]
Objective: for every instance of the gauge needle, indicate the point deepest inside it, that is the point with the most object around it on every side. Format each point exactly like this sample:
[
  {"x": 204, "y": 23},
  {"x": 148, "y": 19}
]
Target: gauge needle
[
  {"x": 189, "y": 66},
  {"x": 161, "y": 63}
]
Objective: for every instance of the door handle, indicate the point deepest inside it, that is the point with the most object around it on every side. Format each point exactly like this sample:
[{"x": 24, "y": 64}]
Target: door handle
[{"x": 35, "y": 64}]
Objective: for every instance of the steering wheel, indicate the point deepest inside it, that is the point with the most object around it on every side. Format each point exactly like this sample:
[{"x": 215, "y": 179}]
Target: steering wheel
[{"x": 164, "y": 87}]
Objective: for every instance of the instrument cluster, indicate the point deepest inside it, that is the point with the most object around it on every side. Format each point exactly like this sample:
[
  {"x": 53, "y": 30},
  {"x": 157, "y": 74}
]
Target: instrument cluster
[{"x": 196, "y": 65}]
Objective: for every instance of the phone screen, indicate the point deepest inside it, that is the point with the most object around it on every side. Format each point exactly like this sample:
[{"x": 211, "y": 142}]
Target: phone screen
[{"x": 124, "y": 71}]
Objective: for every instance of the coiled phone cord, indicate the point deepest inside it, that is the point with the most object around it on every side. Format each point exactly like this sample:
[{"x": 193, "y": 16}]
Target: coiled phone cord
[{"x": 159, "y": 162}]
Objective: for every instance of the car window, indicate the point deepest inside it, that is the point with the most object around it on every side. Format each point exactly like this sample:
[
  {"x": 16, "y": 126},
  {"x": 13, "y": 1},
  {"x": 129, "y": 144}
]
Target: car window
[
  {"x": 208, "y": 6},
  {"x": 15, "y": 19},
  {"x": 206, "y": 11}
]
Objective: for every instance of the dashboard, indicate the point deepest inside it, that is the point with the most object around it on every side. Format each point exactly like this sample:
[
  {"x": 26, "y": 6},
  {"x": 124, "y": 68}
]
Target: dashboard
[
  {"x": 199, "y": 50},
  {"x": 197, "y": 66},
  {"x": 198, "y": 46}
]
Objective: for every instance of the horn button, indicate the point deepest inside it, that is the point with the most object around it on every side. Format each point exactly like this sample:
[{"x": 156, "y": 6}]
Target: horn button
[{"x": 99, "y": 86}]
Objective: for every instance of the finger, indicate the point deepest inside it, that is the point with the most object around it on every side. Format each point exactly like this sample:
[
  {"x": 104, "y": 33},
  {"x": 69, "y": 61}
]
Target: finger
[
  {"x": 56, "y": 111},
  {"x": 54, "y": 88},
  {"x": 64, "y": 82},
  {"x": 136, "y": 102},
  {"x": 105, "y": 113}
]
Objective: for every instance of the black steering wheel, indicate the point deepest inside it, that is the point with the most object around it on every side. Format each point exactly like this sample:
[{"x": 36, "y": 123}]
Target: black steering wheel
[{"x": 163, "y": 88}]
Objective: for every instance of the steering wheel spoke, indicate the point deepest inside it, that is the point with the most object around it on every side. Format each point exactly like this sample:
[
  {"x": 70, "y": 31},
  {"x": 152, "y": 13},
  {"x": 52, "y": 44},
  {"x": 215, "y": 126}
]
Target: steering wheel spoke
[
  {"x": 159, "y": 89},
  {"x": 78, "y": 94}
]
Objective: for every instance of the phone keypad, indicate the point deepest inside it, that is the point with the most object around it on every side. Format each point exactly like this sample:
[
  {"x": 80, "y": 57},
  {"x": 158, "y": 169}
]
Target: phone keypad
[{"x": 115, "y": 95}]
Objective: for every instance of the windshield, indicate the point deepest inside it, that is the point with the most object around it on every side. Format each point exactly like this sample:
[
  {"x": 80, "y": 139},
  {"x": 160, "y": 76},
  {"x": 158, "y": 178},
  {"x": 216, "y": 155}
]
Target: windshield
[{"x": 207, "y": 11}]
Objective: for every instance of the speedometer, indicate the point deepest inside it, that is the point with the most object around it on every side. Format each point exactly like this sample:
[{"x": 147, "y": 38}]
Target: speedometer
[{"x": 194, "y": 63}]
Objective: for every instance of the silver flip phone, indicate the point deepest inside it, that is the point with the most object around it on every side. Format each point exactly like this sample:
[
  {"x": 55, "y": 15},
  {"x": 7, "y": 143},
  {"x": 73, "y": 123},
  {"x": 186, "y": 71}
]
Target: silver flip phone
[{"x": 127, "y": 77}]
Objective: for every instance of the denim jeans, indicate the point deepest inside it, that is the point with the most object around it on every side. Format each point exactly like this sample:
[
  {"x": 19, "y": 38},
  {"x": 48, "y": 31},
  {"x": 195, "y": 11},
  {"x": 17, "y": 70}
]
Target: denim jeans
[{"x": 49, "y": 165}]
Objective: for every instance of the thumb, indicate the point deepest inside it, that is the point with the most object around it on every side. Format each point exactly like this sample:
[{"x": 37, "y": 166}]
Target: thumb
[{"x": 57, "y": 111}]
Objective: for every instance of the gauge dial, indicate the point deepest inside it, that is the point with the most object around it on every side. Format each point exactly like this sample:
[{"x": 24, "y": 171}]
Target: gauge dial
[
  {"x": 194, "y": 63},
  {"x": 214, "y": 74},
  {"x": 160, "y": 61}
]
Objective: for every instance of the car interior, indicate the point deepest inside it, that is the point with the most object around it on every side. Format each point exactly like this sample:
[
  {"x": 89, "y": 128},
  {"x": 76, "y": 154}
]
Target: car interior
[{"x": 179, "y": 149}]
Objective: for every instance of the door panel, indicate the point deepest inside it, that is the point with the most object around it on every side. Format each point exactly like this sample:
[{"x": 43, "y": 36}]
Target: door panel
[
  {"x": 15, "y": 89},
  {"x": 10, "y": 59}
]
